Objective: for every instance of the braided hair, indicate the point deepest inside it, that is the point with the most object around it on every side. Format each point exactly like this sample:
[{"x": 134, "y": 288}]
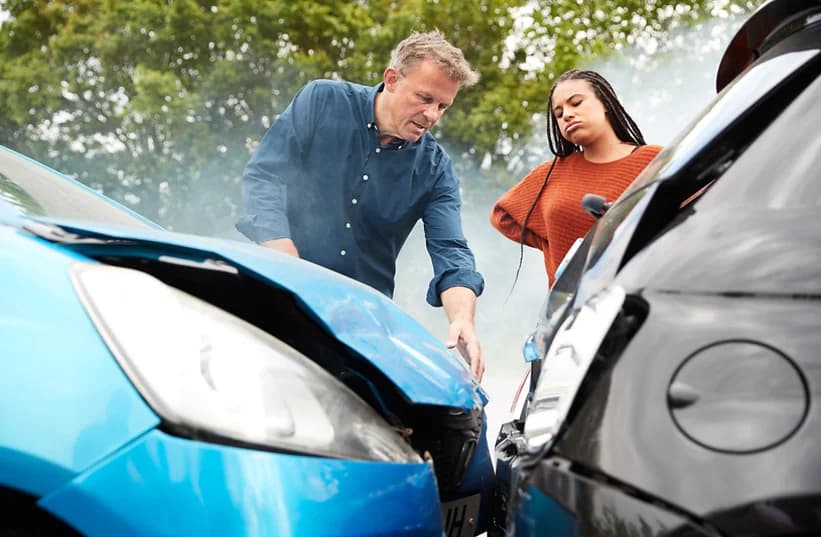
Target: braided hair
[{"x": 623, "y": 125}]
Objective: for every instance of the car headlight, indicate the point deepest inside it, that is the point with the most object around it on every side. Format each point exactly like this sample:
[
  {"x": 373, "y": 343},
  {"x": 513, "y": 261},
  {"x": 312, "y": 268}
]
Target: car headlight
[
  {"x": 566, "y": 363},
  {"x": 204, "y": 369}
]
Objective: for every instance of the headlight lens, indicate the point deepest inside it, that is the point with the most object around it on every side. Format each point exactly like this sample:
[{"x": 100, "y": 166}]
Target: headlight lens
[
  {"x": 566, "y": 362},
  {"x": 200, "y": 367}
]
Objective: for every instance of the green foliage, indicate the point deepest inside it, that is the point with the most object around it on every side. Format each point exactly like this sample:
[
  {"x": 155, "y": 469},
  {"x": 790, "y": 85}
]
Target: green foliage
[{"x": 159, "y": 102}]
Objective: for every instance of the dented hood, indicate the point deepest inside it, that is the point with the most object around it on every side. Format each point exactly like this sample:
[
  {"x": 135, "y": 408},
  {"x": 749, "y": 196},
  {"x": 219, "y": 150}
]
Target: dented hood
[{"x": 366, "y": 321}]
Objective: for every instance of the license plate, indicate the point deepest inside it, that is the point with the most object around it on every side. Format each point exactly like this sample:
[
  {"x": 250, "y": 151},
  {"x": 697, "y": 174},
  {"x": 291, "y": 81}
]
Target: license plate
[{"x": 461, "y": 516}]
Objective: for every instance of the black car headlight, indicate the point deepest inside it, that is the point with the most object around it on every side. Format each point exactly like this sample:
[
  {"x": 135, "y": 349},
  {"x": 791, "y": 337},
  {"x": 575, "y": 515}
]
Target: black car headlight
[{"x": 566, "y": 363}]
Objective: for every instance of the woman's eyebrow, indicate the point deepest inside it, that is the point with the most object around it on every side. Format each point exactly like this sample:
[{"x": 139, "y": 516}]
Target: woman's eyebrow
[{"x": 559, "y": 106}]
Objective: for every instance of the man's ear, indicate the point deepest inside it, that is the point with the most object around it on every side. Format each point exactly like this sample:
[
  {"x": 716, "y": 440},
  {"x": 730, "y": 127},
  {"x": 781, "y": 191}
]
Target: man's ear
[{"x": 391, "y": 77}]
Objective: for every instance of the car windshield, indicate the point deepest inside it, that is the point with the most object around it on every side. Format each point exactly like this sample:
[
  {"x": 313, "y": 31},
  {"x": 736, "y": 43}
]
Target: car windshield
[
  {"x": 733, "y": 102},
  {"x": 759, "y": 180},
  {"x": 35, "y": 190}
]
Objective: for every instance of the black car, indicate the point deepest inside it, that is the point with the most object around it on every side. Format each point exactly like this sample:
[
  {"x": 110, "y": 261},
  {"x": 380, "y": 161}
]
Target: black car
[{"x": 678, "y": 385}]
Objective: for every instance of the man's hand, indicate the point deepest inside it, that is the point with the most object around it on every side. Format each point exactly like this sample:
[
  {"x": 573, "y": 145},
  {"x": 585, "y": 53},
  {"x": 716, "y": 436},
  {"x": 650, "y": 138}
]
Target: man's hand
[
  {"x": 285, "y": 246},
  {"x": 460, "y": 305},
  {"x": 462, "y": 336}
]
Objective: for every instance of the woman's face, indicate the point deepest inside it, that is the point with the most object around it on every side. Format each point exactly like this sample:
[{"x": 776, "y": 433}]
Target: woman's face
[{"x": 579, "y": 113}]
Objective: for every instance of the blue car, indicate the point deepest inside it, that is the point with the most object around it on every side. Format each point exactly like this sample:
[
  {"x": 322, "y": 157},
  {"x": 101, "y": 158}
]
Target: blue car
[{"x": 154, "y": 383}]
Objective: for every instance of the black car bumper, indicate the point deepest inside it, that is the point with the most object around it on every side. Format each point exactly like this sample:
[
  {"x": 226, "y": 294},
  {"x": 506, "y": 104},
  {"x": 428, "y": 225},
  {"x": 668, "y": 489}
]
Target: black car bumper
[{"x": 550, "y": 497}]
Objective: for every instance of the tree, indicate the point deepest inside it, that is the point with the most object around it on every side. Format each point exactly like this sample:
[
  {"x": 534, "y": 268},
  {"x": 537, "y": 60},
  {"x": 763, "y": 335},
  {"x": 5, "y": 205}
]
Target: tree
[{"x": 158, "y": 103}]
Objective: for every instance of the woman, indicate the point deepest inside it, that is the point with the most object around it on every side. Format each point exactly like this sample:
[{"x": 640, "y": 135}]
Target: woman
[{"x": 599, "y": 149}]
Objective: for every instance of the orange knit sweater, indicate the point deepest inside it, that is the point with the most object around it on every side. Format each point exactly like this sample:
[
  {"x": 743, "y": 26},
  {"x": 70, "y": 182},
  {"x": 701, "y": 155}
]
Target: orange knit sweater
[{"x": 558, "y": 218}]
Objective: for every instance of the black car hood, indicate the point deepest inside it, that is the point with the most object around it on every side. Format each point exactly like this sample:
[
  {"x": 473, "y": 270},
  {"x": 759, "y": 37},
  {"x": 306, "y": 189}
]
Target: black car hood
[{"x": 765, "y": 252}]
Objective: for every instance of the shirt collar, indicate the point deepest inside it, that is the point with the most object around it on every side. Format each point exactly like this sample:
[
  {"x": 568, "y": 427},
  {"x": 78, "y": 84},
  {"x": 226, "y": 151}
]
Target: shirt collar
[
  {"x": 370, "y": 114},
  {"x": 370, "y": 117}
]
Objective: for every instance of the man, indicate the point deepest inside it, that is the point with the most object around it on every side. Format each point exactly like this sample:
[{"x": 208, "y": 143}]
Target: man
[{"x": 346, "y": 171}]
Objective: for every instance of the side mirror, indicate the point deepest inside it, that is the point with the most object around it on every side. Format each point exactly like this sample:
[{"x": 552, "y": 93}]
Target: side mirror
[{"x": 595, "y": 205}]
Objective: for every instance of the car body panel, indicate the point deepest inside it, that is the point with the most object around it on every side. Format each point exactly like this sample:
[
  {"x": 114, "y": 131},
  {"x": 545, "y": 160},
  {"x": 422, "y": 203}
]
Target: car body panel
[
  {"x": 70, "y": 413},
  {"x": 244, "y": 492},
  {"x": 780, "y": 248},
  {"x": 587, "y": 507},
  {"x": 625, "y": 430}
]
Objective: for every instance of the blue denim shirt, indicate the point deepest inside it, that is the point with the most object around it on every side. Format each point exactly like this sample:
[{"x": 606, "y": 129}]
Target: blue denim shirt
[{"x": 321, "y": 177}]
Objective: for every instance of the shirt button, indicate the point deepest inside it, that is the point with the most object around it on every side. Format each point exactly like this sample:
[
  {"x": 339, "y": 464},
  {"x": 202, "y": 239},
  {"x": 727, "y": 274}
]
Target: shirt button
[
  {"x": 365, "y": 177},
  {"x": 342, "y": 252},
  {"x": 378, "y": 149},
  {"x": 354, "y": 201},
  {"x": 347, "y": 225}
]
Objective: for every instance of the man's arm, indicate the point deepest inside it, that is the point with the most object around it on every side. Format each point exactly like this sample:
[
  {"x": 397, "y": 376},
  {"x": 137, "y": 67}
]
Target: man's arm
[
  {"x": 286, "y": 246},
  {"x": 460, "y": 307},
  {"x": 455, "y": 284},
  {"x": 273, "y": 166}
]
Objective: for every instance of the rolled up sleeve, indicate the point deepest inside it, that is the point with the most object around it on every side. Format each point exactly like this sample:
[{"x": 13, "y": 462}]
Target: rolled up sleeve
[{"x": 453, "y": 262}]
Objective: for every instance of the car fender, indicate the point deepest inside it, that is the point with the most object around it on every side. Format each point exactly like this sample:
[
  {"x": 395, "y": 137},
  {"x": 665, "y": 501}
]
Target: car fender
[{"x": 65, "y": 402}]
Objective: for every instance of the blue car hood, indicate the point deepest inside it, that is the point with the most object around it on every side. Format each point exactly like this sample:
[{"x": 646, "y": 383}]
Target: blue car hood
[{"x": 360, "y": 317}]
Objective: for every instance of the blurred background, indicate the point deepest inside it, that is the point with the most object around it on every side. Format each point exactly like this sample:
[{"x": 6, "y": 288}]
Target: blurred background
[{"x": 159, "y": 105}]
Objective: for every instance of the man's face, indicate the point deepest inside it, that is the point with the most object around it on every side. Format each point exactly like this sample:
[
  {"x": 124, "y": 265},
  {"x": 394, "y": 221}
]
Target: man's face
[{"x": 416, "y": 100}]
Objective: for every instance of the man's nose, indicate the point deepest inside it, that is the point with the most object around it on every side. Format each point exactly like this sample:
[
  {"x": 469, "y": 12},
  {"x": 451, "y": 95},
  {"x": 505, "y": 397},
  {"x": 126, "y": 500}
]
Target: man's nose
[{"x": 433, "y": 113}]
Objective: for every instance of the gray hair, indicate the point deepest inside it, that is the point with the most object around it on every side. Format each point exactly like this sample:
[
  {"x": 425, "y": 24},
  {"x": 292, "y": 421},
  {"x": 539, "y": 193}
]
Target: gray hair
[{"x": 433, "y": 46}]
